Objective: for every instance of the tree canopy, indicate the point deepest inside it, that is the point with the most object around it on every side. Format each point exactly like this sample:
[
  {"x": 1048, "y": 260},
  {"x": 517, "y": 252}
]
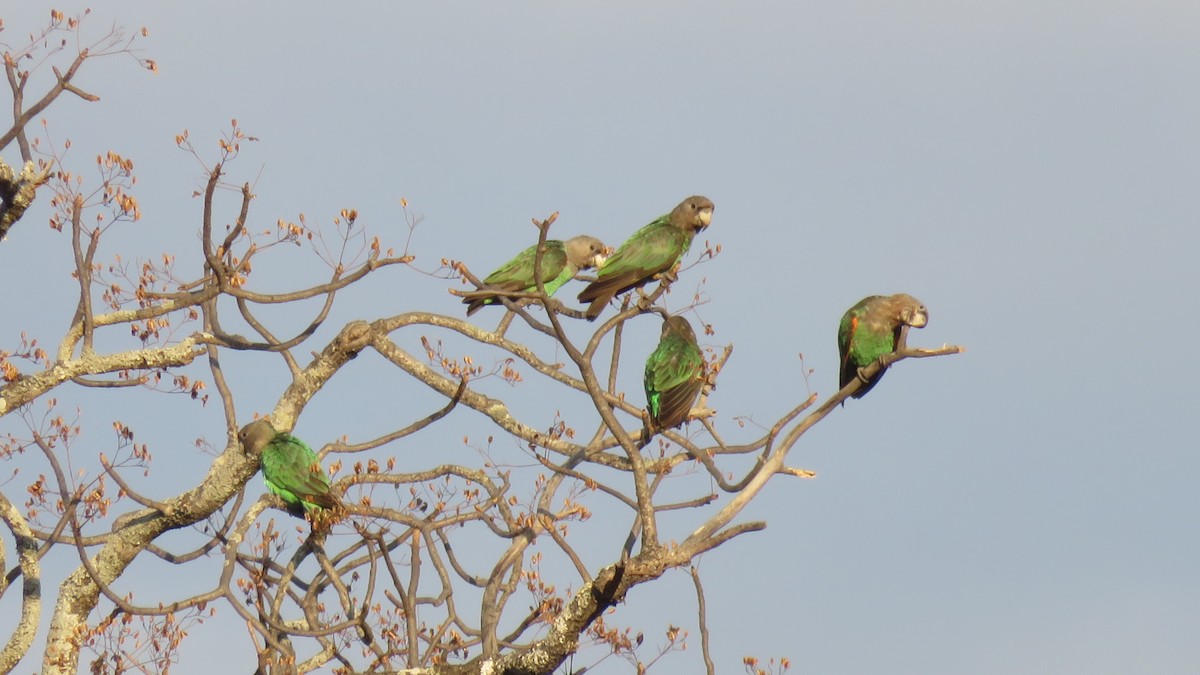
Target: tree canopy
[{"x": 427, "y": 564}]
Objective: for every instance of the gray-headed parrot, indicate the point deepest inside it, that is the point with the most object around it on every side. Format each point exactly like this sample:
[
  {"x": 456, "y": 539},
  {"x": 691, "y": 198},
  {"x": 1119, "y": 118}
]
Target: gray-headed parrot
[
  {"x": 674, "y": 374},
  {"x": 654, "y": 249},
  {"x": 871, "y": 329},
  {"x": 290, "y": 468},
  {"x": 561, "y": 260}
]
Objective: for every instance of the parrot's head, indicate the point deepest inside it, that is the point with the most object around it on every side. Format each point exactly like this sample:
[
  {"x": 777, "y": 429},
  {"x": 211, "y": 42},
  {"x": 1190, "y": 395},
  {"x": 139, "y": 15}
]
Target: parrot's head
[
  {"x": 680, "y": 327},
  {"x": 256, "y": 435},
  {"x": 586, "y": 252},
  {"x": 695, "y": 212},
  {"x": 913, "y": 312}
]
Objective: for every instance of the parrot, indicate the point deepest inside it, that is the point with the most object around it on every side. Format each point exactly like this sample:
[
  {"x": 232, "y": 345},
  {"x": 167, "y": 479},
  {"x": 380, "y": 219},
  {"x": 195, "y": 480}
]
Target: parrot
[
  {"x": 654, "y": 249},
  {"x": 870, "y": 329},
  {"x": 290, "y": 468},
  {"x": 560, "y": 262},
  {"x": 674, "y": 374}
]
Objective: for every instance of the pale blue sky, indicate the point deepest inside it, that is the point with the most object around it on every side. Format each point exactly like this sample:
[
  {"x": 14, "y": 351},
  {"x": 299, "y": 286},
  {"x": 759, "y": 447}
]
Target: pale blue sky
[{"x": 1028, "y": 169}]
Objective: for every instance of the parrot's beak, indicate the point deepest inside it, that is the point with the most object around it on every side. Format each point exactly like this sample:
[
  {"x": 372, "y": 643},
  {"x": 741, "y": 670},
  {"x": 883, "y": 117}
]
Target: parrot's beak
[
  {"x": 600, "y": 258},
  {"x": 705, "y": 218}
]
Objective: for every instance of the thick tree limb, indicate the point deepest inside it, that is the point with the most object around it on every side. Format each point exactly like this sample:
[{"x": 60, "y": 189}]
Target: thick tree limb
[
  {"x": 131, "y": 534},
  {"x": 29, "y": 387},
  {"x": 17, "y": 192},
  {"x": 31, "y": 590}
]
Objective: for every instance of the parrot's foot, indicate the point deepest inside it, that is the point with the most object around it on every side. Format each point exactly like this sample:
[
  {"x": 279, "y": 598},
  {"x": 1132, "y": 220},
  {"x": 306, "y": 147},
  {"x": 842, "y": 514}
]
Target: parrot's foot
[
  {"x": 643, "y": 300},
  {"x": 554, "y": 305},
  {"x": 668, "y": 277},
  {"x": 861, "y": 377}
]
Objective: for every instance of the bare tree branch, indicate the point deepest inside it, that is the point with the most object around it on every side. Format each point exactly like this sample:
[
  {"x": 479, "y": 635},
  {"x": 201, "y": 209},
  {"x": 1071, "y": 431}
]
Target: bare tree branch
[
  {"x": 31, "y": 591},
  {"x": 432, "y": 566}
]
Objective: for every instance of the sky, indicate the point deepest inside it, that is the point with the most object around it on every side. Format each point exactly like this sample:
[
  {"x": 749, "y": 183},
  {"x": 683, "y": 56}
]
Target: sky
[{"x": 1027, "y": 169}]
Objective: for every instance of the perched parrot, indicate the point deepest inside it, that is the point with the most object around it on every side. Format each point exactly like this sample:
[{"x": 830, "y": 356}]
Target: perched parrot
[
  {"x": 651, "y": 250},
  {"x": 289, "y": 466},
  {"x": 871, "y": 329},
  {"x": 674, "y": 374},
  {"x": 560, "y": 262}
]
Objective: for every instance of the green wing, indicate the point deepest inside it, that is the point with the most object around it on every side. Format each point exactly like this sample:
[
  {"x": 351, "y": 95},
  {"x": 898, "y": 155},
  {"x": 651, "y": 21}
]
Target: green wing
[
  {"x": 653, "y": 249},
  {"x": 292, "y": 471},
  {"x": 516, "y": 275},
  {"x": 846, "y": 330},
  {"x": 861, "y": 340},
  {"x": 673, "y": 379}
]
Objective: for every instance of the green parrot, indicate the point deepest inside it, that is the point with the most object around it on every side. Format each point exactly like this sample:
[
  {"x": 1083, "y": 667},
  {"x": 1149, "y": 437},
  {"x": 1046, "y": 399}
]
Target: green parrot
[
  {"x": 654, "y": 249},
  {"x": 560, "y": 262},
  {"x": 291, "y": 468},
  {"x": 871, "y": 329},
  {"x": 674, "y": 374}
]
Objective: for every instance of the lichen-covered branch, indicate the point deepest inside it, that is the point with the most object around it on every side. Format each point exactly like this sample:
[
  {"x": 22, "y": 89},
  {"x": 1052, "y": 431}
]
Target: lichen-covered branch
[
  {"x": 29, "y": 387},
  {"x": 228, "y": 474},
  {"x": 31, "y": 585},
  {"x": 17, "y": 192}
]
